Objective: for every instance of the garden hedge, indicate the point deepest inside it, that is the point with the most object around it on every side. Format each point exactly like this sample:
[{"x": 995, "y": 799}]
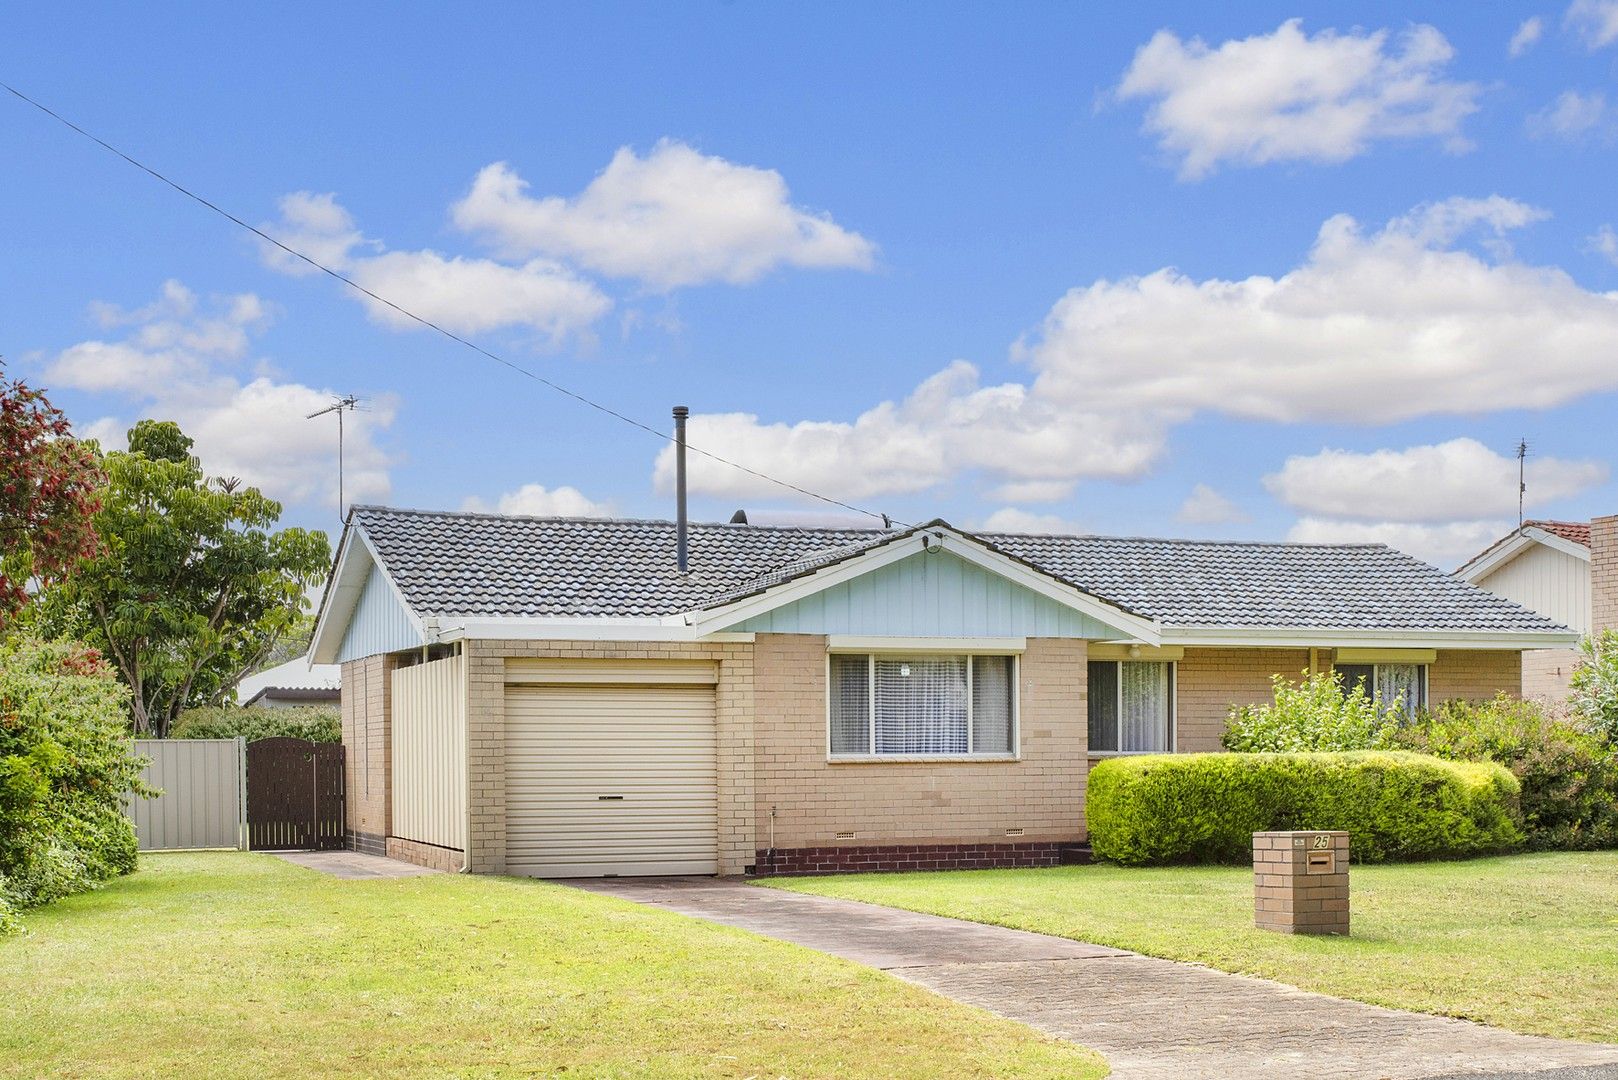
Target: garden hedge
[{"x": 1184, "y": 808}]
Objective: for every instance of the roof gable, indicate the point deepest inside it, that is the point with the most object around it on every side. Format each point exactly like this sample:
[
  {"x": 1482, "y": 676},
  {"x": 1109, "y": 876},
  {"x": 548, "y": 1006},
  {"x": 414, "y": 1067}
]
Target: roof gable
[{"x": 1568, "y": 537}]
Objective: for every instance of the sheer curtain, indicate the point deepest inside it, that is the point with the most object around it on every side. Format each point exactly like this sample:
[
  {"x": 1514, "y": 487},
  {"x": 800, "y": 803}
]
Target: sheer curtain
[
  {"x": 921, "y": 705},
  {"x": 1144, "y": 722},
  {"x": 991, "y": 704},
  {"x": 1394, "y": 680},
  {"x": 1103, "y": 694},
  {"x": 850, "y": 704}
]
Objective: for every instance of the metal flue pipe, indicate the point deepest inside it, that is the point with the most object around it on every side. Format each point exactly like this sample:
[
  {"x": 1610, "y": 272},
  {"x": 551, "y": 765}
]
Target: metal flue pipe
[{"x": 680, "y": 413}]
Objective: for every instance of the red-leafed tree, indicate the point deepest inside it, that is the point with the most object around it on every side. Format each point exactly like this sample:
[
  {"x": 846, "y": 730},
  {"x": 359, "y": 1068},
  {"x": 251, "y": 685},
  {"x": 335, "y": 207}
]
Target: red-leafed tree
[{"x": 50, "y": 490}]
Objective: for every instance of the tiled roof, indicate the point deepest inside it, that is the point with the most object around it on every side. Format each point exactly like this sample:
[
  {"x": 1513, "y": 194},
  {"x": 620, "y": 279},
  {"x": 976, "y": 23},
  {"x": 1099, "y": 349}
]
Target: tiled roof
[
  {"x": 482, "y": 566},
  {"x": 1576, "y": 531}
]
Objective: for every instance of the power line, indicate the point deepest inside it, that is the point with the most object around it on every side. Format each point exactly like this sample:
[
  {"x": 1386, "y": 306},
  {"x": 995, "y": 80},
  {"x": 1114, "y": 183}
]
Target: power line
[{"x": 428, "y": 323}]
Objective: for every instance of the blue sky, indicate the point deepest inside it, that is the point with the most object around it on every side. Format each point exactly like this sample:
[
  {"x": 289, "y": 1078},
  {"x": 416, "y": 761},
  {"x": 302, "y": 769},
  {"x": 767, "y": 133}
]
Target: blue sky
[{"x": 1163, "y": 269}]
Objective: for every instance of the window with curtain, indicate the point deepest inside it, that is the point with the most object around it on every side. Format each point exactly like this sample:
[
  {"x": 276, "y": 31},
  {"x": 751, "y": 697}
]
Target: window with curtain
[
  {"x": 924, "y": 706},
  {"x": 1387, "y": 682},
  {"x": 1131, "y": 706}
]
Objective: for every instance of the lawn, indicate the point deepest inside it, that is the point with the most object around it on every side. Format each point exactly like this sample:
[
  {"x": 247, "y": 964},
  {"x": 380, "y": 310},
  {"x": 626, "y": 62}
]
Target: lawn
[
  {"x": 239, "y": 965},
  {"x": 1528, "y": 942}
]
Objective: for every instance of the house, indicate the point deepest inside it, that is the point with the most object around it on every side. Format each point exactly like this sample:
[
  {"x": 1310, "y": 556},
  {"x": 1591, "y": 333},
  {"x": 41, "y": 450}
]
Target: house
[
  {"x": 290, "y": 685},
  {"x": 556, "y": 697},
  {"x": 1559, "y": 569}
]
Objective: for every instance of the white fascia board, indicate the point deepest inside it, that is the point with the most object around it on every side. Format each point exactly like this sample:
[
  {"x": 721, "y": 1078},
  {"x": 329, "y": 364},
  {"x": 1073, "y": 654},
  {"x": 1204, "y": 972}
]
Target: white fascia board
[
  {"x": 527, "y": 628},
  {"x": 1560, "y": 543},
  {"x": 1305, "y": 638},
  {"x": 1508, "y": 549},
  {"x": 354, "y": 561},
  {"x": 787, "y": 592}
]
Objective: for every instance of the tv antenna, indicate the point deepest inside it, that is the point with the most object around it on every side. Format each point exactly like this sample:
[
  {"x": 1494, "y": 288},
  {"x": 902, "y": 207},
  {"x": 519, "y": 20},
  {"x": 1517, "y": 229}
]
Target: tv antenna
[
  {"x": 339, "y": 406},
  {"x": 1522, "y": 479}
]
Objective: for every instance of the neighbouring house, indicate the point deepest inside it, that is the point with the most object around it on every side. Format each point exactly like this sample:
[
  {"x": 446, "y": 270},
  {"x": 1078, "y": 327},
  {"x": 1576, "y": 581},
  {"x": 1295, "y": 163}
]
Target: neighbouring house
[
  {"x": 1566, "y": 571},
  {"x": 292, "y": 684},
  {"x": 556, "y": 697}
]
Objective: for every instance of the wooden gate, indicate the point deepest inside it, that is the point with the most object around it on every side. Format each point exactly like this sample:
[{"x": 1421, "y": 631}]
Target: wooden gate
[{"x": 294, "y": 795}]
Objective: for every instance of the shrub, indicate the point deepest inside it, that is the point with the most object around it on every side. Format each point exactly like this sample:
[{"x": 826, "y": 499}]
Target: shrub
[
  {"x": 1569, "y": 776},
  {"x": 1312, "y": 714},
  {"x": 314, "y": 723},
  {"x": 1205, "y": 807},
  {"x": 1593, "y": 689},
  {"x": 65, "y": 770}
]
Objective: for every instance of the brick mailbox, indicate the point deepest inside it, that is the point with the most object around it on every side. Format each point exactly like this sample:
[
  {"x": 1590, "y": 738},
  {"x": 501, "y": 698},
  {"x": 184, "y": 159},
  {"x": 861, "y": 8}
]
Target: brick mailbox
[{"x": 1300, "y": 882}]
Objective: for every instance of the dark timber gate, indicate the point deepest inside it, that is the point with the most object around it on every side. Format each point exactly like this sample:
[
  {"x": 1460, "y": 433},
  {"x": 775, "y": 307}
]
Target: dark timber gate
[{"x": 294, "y": 795}]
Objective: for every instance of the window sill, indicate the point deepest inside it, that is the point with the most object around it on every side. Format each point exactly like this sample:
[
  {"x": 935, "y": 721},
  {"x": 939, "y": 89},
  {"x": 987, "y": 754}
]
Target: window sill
[
  {"x": 919, "y": 759},
  {"x": 1127, "y": 753}
]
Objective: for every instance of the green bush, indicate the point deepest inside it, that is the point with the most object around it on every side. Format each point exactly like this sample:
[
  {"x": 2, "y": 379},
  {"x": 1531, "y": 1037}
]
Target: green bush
[
  {"x": 1178, "y": 808},
  {"x": 1594, "y": 687},
  {"x": 1569, "y": 776},
  {"x": 1312, "y": 714},
  {"x": 65, "y": 769},
  {"x": 315, "y": 723}
]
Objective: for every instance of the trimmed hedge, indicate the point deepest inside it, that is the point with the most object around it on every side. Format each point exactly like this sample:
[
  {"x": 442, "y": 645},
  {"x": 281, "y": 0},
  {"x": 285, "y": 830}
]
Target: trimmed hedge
[{"x": 1183, "y": 808}]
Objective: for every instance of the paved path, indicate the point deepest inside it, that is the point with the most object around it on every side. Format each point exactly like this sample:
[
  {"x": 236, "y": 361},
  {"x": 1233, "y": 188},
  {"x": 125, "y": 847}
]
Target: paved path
[
  {"x": 1154, "y": 1019},
  {"x": 352, "y": 864}
]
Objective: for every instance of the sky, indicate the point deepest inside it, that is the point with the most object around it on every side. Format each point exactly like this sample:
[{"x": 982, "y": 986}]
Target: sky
[{"x": 1225, "y": 271}]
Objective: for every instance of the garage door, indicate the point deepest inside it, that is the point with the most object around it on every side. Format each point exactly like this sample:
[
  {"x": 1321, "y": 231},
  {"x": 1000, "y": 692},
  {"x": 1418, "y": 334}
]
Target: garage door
[{"x": 611, "y": 780}]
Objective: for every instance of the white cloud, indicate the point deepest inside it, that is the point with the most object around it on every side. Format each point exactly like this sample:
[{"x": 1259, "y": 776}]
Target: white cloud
[
  {"x": 1528, "y": 33},
  {"x": 1011, "y": 519},
  {"x": 1572, "y": 115},
  {"x": 1458, "y": 481},
  {"x": 181, "y": 360},
  {"x": 1288, "y": 96},
  {"x": 536, "y": 500},
  {"x": 1595, "y": 21},
  {"x": 1604, "y": 243},
  {"x": 461, "y": 294},
  {"x": 1205, "y": 506},
  {"x": 672, "y": 218},
  {"x": 1373, "y": 328},
  {"x": 1445, "y": 546},
  {"x": 1034, "y": 491}
]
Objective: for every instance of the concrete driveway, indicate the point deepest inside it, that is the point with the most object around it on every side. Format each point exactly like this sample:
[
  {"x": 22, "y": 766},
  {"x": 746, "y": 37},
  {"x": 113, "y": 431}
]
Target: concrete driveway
[{"x": 1153, "y": 1019}]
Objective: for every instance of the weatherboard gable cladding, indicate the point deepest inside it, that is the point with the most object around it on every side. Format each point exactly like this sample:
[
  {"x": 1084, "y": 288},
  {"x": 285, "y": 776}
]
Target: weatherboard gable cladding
[
  {"x": 380, "y": 623},
  {"x": 929, "y": 594}
]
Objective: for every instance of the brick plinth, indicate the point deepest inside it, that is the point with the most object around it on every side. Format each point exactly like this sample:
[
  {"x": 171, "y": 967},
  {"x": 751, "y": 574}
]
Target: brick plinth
[
  {"x": 900, "y": 857},
  {"x": 1300, "y": 882},
  {"x": 449, "y": 860},
  {"x": 365, "y": 843}
]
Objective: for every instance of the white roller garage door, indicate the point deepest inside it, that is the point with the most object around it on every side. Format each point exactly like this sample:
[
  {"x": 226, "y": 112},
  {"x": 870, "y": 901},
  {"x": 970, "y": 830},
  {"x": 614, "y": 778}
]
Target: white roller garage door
[{"x": 611, "y": 780}]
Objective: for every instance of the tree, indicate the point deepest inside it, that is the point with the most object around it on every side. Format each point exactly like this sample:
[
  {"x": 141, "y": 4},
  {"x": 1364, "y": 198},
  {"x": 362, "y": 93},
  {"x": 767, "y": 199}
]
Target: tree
[
  {"x": 1594, "y": 685},
  {"x": 192, "y": 587},
  {"x": 50, "y": 487}
]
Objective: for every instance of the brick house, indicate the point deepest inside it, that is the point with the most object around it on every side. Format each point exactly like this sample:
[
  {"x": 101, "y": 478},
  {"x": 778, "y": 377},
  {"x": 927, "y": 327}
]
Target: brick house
[
  {"x": 555, "y": 697},
  {"x": 1566, "y": 571}
]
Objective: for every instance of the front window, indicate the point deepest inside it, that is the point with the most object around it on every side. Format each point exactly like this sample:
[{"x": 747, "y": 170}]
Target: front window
[
  {"x": 929, "y": 705},
  {"x": 1386, "y": 683},
  {"x": 1131, "y": 706}
]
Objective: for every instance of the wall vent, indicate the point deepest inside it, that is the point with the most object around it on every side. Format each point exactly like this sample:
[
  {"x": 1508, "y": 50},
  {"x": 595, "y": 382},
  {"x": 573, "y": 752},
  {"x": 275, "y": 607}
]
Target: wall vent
[
  {"x": 846, "y": 836},
  {"x": 1013, "y": 832}
]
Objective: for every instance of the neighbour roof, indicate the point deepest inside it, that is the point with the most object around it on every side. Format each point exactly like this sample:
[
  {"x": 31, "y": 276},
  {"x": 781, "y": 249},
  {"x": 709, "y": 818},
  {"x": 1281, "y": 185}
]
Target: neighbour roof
[
  {"x": 1576, "y": 531},
  {"x": 1506, "y": 548},
  {"x": 486, "y": 566},
  {"x": 296, "y": 674}
]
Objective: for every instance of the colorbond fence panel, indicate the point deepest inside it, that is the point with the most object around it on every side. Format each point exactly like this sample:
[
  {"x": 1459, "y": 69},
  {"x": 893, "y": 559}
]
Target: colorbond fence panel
[
  {"x": 202, "y": 805},
  {"x": 429, "y": 753}
]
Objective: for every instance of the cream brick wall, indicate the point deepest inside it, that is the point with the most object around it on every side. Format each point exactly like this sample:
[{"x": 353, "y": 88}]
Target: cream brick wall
[
  {"x": 486, "y": 662},
  {"x": 1209, "y": 681},
  {"x": 366, "y": 707},
  {"x": 1604, "y": 573},
  {"x": 1545, "y": 673},
  {"x": 1473, "y": 675},
  {"x": 890, "y": 803}
]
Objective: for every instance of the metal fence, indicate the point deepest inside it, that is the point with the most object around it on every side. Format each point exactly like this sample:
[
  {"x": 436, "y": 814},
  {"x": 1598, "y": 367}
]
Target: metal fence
[{"x": 204, "y": 800}]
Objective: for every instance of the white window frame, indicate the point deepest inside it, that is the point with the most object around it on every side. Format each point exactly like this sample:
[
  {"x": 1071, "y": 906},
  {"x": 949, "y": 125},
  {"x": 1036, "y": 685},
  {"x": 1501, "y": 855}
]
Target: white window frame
[
  {"x": 1173, "y": 733},
  {"x": 926, "y": 654},
  {"x": 1376, "y": 678}
]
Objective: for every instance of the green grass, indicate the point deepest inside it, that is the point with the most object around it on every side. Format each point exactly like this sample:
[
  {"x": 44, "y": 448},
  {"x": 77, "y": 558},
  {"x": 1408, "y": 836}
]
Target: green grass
[
  {"x": 238, "y": 965},
  {"x": 1528, "y": 942}
]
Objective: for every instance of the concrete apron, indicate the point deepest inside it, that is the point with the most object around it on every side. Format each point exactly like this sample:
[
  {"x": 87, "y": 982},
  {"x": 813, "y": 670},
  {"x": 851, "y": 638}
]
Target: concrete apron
[{"x": 1153, "y": 1019}]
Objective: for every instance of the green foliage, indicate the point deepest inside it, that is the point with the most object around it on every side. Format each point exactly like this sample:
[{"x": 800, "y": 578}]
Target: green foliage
[
  {"x": 193, "y": 587},
  {"x": 1179, "y": 808},
  {"x": 1313, "y": 714},
  {"x": 1594, "y": 686},
  {"x": 65, "y": 768},
  {"x": 1569, "y": 775},
  {"x": 228, "y": 721}
]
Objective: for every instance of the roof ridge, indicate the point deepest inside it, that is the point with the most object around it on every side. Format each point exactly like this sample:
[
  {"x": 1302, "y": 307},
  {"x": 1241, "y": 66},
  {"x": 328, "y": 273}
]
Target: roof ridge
[{"x": 580, "y": 519}]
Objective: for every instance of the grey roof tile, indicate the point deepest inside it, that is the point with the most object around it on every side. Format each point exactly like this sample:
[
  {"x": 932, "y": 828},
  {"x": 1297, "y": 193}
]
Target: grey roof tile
[{"x": 482, "y": 566}]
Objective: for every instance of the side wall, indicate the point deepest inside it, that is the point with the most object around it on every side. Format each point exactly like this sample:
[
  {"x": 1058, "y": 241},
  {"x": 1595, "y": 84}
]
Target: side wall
[
  {"x": 1210, "y": 681},
  {"x": 367, "y": 753},
  {"x": 1604, "y": 573},
  {"x": 817, "y": 815},
  {"x": 1547, "y": 672}
]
